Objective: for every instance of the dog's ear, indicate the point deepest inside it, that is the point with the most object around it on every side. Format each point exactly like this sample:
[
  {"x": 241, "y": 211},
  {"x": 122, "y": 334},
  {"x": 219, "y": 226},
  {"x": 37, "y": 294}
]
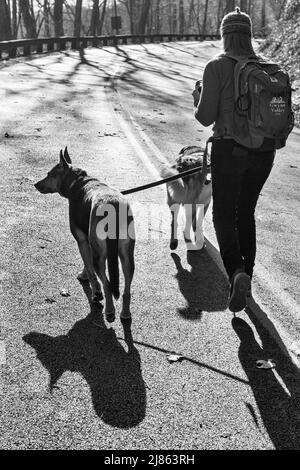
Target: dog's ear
[
  {"x": 62, "y": 161},
  {"x": 67, "y": 156}
]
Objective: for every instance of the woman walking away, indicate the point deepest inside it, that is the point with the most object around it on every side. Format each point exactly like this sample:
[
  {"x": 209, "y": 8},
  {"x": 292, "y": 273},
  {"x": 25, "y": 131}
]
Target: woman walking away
[{"x": 238, "y": 172}]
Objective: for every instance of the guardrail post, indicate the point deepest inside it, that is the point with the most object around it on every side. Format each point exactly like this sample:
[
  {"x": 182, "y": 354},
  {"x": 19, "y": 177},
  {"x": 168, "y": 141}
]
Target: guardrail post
[
  {"x": 50, "y": 46},
  {"x": 62, "y": 44},
  {"x": 74, "y": 43},
  {"x": 39, "y": 47},
  {"x": 27, "y": 50},
  {"x": 12, "y": 52}
]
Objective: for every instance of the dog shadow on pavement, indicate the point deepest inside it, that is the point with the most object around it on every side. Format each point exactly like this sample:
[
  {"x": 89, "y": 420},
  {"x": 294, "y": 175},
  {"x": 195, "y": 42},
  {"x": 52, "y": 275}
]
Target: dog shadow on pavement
[
  {"x": 112, "y": 373},
  {"x": 276, "y": 391},
  {"x": 204, "y": 286}
]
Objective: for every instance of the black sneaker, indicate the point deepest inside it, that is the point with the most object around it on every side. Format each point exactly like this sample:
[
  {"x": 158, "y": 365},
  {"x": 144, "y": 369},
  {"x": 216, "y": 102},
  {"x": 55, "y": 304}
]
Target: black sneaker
[{"x": 239, "y": 289}]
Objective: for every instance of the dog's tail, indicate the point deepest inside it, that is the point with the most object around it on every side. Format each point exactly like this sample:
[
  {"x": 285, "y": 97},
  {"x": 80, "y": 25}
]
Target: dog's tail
[{"x": 113, "y": 259}]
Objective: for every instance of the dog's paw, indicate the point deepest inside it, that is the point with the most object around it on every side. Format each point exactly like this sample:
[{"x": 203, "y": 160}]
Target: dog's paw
[
  {"x": 83, "y": 276},
  {"x": 173, "y": 244},
  {"x": 110, "y": 316}
]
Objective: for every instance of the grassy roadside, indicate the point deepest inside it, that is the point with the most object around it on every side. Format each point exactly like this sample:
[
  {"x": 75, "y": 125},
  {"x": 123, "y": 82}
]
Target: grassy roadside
[{"x": 283, "y": 46}]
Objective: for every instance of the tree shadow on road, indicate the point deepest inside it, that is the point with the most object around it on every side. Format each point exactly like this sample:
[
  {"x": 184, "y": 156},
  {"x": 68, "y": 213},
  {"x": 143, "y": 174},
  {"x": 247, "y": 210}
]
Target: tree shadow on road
[
  {"x": 276, "y": 391},
  {"x": 205, "y": 286},
  {"x": 112, "y": 373}
]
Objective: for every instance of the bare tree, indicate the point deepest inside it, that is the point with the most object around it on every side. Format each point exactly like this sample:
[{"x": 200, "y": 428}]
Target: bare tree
[
  {"x": 5, "y": 27},
  {"x": 181, "y": 17},
  {"x": 263, "y": 15},
  {"x": 205, "y": 17},
  {"x": 77, "y": 23},
  {"x": 157, "y": 17},
  {"x": 46, "y": 8},
  {"x": 103, "y": 12},
  {"x": 58, "y": 18},
  {"x": 244, "y": 5},
  {"x": 95, "y": 18},
  {"x": 27, "y": 14},
  {"x": 230, "y": 5},
  {"x": 14, "y": 24},
  {"x": 144, "y": 16}
]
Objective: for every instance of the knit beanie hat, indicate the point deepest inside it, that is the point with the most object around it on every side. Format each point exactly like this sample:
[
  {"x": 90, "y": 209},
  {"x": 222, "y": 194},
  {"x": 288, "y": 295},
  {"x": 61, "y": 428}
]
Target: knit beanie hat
[{"x": 236, "y": 22}]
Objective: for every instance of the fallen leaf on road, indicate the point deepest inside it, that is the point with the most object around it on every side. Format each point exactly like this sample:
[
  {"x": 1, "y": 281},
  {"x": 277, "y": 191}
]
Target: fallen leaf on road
[
  {"x": 174, "y": 358},
  {"x": 269, "y": 364},
  {"x": 64, "y": 293}
]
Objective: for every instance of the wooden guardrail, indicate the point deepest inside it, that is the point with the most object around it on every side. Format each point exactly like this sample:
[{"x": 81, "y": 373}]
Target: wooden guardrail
[{"x": 26, "y": 47}]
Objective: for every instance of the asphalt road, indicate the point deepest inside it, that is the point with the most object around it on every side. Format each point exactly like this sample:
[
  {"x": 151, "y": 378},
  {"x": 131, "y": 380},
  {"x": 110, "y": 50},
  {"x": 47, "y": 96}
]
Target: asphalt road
[{"x": 69, "y": 380}]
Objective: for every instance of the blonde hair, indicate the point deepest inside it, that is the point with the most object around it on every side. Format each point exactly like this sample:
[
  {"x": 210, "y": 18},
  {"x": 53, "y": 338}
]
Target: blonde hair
[{"x": 238, "y": 44}]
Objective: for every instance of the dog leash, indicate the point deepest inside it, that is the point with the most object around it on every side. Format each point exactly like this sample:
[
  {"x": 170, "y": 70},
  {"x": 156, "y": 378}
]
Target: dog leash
[{"x": 172, "y": 178}]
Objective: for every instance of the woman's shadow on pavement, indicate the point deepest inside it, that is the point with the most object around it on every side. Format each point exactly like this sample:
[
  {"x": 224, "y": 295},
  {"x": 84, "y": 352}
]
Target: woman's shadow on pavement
[
  {"x": 278, "y": 403},
  {"x": 204, "y": 286},
  {"x": 112, "y": 373}
]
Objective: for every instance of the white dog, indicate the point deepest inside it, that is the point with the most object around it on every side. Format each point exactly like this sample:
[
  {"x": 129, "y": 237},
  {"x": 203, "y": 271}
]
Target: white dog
[{"x": 189, "y": 192}]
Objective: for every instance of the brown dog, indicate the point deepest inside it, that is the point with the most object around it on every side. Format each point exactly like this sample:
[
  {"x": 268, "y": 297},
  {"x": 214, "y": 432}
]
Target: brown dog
[
  {"x": 102, "y": 225},
  {"x": 188, "y": 192}
]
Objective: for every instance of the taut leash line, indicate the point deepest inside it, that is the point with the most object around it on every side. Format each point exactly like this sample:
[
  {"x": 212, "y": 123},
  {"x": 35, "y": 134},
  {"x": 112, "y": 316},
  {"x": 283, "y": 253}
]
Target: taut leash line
[
  {"x": 172, "y": 178},
  {"x": 162, "y": 181}
]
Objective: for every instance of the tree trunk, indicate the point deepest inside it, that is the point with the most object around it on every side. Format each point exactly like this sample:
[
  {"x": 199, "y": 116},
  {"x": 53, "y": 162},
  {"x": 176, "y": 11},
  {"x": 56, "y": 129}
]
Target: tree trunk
[
  {"x": 181, "y": 17},
  {"x": 191, "y": 9},
  {"x": 243, "y": 5},
  {"x": 205, "y": 17},
  {"x": 197, "y": 15},
  {"x": 131, "y": 16},
  {"x": 77, "y": 24},
  {"x": 14, "y": 20},
  {"x": 170, "y": 15},
  {"x": 230, "y": 5},
  {"x": 46, "y": 16},
  {"x": 95, "y": 18},
  {"x": 58, "y": 18},
  {"x": 157, "y": 17},
  {"x": 5, "y": 27},
  {"x": 144, "y": 16},
  {"x": 28, "y": 19},
  {"x": 219, "y": 17},
  {"x": 101, "y": 22}
]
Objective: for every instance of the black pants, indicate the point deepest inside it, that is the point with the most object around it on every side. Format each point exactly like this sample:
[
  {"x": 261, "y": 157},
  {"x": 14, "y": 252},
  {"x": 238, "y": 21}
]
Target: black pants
[{"x": 238, "y": 176}]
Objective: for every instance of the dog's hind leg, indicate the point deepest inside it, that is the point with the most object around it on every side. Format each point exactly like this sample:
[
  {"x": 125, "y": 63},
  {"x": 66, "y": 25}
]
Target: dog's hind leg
[
  {"x": 174, "y": 208},
  {"x": 126, "y": 254},
  {"x": 198, "y": 219},
  {"x": 99, "y": 262},
  {"x": 190, "y": 222}
]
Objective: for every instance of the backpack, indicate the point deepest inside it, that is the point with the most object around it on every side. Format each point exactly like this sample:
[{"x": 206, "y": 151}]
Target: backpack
[{"x": 262, "y": 103}]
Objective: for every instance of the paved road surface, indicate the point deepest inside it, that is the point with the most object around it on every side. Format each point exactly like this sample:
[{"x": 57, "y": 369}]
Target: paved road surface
[{"x": 68, "y": 379}]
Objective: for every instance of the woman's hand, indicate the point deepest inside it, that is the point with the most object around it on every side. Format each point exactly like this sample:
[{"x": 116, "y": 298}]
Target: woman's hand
[{"x": 196, "y": 92}]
